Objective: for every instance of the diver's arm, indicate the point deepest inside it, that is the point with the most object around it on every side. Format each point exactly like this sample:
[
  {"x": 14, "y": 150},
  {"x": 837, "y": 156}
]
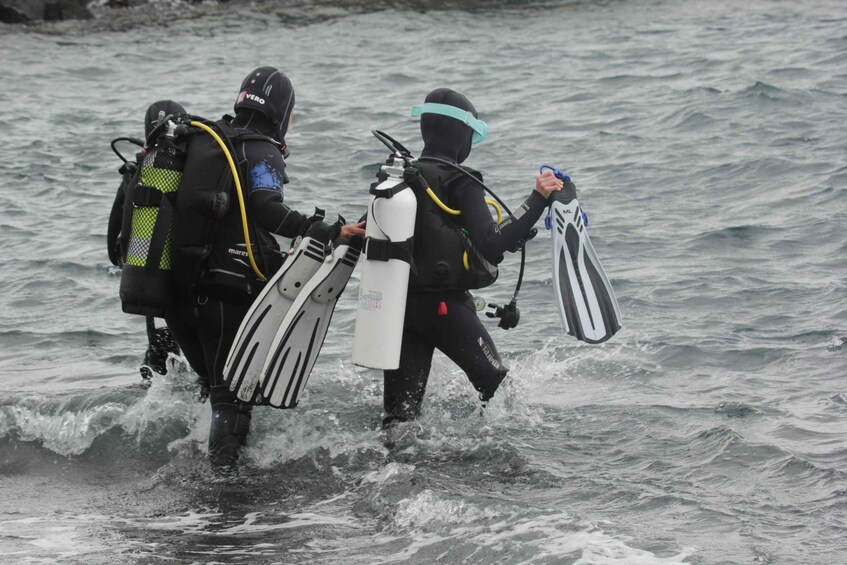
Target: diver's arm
[
  {"x": 266, "y": 170},
  {"x": 491, "y": 239},
  {"x": 269, "y": 213}
]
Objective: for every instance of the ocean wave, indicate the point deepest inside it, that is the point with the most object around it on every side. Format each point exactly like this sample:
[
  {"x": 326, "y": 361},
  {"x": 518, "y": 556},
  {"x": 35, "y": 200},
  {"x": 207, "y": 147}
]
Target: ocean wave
[{"x": 130, "y": 421}]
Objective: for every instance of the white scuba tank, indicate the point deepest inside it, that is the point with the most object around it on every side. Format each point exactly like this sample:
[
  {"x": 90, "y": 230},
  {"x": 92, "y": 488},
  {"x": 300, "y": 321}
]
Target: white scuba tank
[{"x": 385, "y": 274}]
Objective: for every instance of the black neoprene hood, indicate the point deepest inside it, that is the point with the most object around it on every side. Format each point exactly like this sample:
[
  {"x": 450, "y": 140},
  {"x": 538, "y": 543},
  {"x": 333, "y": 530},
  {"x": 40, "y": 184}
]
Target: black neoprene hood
[
  {"x": 443, "y": 136},
  {"x": 169, "y": 107},
  {"x": 269, "y": 91}
]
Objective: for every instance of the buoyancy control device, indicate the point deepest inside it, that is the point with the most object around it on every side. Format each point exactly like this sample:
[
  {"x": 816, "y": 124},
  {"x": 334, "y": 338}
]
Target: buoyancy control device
[
  {"x": 169, "y": 221},
  {"x": 446, "y": 259},
  {"x": 384, "y": 280}
]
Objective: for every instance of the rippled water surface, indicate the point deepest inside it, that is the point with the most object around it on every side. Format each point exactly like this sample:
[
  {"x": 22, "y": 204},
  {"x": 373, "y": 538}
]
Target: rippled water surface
[{"x": 708, "y": 144}]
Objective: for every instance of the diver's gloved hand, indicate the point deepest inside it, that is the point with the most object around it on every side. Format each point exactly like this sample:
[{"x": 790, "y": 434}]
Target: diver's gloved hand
[
  {"x": 308, "y": 223},
  {"x": 509, "y": 314},
  {"x": 325, "y": 233},
  {"x": 160, "y": 343}
]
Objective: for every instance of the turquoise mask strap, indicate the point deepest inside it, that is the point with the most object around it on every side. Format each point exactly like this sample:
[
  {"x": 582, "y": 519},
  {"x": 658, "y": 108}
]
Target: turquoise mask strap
[{"x": 480, "y": 128}]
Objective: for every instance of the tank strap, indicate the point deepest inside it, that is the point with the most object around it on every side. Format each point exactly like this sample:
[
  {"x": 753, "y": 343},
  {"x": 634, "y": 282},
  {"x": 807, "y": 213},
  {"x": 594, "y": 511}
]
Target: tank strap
[
  {"x": 147, "y": 195},
  {"x": 383, "y": 250},
  {"x": 161, "y": 234},
  {"x": 387, "y": 192}
]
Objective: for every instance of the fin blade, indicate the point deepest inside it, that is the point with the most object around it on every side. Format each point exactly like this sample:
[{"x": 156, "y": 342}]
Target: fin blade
[
  {"x": 586, "y": 301},
  {"x": 242, "y": 369},
  {"x": 300, "y": 337}
]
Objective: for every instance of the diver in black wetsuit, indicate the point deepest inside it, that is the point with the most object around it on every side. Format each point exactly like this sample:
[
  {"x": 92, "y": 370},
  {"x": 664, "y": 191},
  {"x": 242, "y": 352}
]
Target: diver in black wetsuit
[
  {"x": 160, "y": 342},
  {"x": 209, "y": 313},
  {"x": 440, "y": 312}
]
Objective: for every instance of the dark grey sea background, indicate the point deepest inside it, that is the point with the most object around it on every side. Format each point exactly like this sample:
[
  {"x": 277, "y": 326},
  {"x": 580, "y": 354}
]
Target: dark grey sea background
[{"x": 708, "y": 142}]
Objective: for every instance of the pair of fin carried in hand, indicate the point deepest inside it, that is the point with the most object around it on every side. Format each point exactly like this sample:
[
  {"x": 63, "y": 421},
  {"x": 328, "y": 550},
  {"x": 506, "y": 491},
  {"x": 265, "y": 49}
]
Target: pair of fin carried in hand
[{"x": 282, "y": 334}]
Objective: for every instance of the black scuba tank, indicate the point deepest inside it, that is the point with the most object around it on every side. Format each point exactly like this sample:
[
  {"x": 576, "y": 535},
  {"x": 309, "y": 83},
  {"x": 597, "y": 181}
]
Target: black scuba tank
[
  {"x": 211, "y": 256},
  {"x": 146, "y": 274}
]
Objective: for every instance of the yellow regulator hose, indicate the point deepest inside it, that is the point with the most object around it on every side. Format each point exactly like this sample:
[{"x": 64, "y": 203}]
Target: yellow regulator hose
[{"x": 453, "y": 212}]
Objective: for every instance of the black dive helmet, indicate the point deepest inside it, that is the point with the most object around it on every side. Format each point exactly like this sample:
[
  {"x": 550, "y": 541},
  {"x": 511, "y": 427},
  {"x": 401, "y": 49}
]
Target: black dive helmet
[{"x": 269, "y": 92}]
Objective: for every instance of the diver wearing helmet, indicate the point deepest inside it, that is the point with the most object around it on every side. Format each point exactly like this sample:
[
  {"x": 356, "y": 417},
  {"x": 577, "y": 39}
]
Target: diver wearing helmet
[
  {"x": 440, "y": 312},
  {"x": 212, "y": 303}
]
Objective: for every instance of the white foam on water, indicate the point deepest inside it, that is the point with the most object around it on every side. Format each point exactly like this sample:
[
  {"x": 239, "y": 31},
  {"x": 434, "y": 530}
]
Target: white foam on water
[
  {"x": 285, "y": 435},
  {"x": 69, "y": 428},
  {"x": 539, "y": 534},
  {"x": 388, "y": 473},
  {"x": 209, "y": 523},
  {"x": 65, "y": 433},
  {"x": 5, "y": 424},
  {"x": 53, "y": 538},
  {"x": 171, "y": 397}
]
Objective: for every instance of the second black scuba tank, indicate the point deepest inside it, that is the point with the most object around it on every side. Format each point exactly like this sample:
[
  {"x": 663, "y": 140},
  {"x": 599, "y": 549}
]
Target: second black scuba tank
[{"x": 146, "y": 273}]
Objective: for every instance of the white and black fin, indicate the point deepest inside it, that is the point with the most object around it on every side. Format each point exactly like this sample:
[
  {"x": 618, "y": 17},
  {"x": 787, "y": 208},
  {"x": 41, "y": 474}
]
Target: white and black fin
[
  {"x": 300, "y": 336},
  {"x": 586, "y": 301},
  {"x": 258, "y": 328}
]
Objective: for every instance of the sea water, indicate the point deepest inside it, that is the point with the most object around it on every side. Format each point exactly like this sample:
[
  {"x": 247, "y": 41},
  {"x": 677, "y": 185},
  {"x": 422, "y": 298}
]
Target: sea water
[{"x": 708, "y": 144}]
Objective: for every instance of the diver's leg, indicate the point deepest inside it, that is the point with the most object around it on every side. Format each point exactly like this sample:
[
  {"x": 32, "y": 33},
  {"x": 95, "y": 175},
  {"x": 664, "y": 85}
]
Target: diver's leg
[
  {"x": 183, "y": 324},
  {"x": 230, "y": 416},
  {"x": 228, "y": 431},
  {"x": 463, "y": 338},
  {"x": 404, "y": 388}
]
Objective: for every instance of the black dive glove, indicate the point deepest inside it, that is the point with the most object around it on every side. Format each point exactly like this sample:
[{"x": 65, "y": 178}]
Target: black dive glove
[
  {"x": 316, "y": 218},
  {"x": 160, "y": 342},
  {"x": 319, "y": 230}
]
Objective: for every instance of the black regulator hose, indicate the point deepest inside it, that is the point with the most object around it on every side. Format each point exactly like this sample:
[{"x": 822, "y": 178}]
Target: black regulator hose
[{"x": 133, "y": 140}]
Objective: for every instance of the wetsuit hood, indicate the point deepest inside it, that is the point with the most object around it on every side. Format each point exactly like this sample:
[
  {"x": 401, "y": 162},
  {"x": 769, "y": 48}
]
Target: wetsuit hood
[
  {"x": 271, "y": 93},
  {"x": 254, "y": 120},
  {"x": 443, "y": 136},
  {"x": 169, "y": 107}
]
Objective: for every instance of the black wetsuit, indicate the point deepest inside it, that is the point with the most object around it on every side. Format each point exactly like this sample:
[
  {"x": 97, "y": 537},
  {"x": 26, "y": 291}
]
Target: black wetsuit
[
  {"x": 447, "y": 319},
  {"x": 205, "y": 326}
]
